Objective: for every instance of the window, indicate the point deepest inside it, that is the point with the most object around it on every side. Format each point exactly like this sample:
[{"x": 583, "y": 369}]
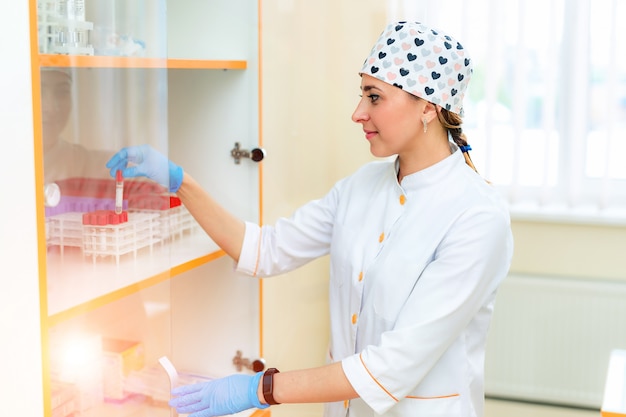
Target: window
[{"x": 546, "y": 107}]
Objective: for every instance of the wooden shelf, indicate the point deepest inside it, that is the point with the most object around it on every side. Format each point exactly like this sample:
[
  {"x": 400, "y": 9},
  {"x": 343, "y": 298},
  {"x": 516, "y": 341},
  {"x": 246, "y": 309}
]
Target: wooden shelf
[{"x": 84, "y": 61}]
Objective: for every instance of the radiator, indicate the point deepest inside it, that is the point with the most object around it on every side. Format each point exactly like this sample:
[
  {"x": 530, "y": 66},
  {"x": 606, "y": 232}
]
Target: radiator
[{"x": 551, "y": 338}]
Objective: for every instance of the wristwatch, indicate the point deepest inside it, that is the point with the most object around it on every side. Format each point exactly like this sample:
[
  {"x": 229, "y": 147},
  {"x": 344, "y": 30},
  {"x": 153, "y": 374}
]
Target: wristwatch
[{"x": 268, "y": 386}]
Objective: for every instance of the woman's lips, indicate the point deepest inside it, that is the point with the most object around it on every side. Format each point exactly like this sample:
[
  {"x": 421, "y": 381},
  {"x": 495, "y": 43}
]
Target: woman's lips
[{"x": 370, "y": 134}]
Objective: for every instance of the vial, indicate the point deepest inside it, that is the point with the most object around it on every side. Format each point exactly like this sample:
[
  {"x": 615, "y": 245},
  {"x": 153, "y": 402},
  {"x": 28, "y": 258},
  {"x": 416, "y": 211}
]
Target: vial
[{"x": 119, "y": 192}]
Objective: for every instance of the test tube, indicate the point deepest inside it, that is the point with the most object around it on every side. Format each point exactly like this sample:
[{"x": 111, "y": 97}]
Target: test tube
[{"x": 119, "y": 192}]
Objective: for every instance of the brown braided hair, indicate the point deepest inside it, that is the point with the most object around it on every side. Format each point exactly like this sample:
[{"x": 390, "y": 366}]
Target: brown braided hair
[{"x": 452, "y": 122}]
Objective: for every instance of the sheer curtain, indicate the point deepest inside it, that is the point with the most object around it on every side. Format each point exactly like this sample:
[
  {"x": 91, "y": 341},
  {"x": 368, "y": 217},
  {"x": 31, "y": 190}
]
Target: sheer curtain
[{"x": 546, "y": 108}]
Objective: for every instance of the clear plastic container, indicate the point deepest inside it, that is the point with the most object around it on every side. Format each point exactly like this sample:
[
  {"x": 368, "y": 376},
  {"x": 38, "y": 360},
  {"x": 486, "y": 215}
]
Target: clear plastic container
[
  {"x": 62, "y": 27},
  {"x": 72, "y": 9}
]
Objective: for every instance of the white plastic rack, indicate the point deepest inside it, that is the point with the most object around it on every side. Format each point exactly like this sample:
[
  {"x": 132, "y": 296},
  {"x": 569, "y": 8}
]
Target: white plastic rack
[{"x": 144, "y": 229}]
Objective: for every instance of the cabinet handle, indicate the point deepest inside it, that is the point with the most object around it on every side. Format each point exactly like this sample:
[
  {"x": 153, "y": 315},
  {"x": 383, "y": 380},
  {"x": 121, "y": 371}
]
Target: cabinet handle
[
  {"x": 256, "y": 154},
  {"x": 256, "y": 365}
]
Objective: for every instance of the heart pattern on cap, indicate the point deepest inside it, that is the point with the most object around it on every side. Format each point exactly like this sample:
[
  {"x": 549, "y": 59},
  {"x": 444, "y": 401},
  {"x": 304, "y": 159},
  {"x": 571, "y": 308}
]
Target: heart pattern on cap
[{"x": 423, "y": 61}]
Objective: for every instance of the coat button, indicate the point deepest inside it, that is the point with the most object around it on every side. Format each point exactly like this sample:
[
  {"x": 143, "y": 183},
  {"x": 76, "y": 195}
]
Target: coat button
[
  {"x": 381, "y": 237},
  {"x": 402, "y": 200},
  {"x": 354, "y": 318},
  {"x": 361, "y": 276}
]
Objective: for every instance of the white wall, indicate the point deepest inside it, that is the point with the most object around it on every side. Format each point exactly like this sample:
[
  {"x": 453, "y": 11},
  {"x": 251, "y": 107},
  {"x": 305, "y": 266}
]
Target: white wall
[
  {"x": 312, "y": 52},
  {"x": 20, "y": 350}
]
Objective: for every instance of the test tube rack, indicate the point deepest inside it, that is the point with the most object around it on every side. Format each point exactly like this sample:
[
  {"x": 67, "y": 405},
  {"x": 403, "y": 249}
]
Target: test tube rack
[
  {"x": 143, "y": 229},
  {"x": 114, "y": 239},
  {"x": 89, "y": 223}
]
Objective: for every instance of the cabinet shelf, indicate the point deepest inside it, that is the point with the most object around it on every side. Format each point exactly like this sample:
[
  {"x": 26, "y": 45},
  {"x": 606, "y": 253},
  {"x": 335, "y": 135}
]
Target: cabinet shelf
[
  {"x": 84, "y": 61},
  {"x": 71, "y": 293}
]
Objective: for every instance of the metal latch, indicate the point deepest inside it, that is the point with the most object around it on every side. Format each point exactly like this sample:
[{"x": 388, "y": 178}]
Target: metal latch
[
  {"x": 256, "y": 365},
  {"x": 256, "y": 154}
]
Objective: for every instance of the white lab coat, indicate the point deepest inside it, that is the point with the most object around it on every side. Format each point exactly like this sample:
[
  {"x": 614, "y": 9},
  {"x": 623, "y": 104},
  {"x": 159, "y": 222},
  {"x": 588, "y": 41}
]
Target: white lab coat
[{"x": 414, "y": 273}]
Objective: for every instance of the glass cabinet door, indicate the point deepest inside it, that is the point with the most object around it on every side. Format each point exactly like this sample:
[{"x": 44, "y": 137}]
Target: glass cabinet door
[
  {"x": 215, "y": 311},
  {"x": 108, "y": 240},
  {"x": 129, "y": 276}
]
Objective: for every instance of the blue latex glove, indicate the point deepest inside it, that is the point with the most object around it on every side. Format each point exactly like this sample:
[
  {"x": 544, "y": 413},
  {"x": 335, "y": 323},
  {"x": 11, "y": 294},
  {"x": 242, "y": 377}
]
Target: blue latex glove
[
  {"x": 219, "y": 397},
  {"x": 147, "y": 163}
]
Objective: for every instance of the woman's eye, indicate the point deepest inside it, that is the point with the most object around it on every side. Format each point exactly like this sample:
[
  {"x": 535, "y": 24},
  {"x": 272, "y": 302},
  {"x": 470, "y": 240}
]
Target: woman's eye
[{"x": 373, "y": 97}]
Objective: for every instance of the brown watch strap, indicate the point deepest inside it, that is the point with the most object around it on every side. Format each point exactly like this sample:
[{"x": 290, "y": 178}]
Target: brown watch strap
[{"x": 268, "y": 386}]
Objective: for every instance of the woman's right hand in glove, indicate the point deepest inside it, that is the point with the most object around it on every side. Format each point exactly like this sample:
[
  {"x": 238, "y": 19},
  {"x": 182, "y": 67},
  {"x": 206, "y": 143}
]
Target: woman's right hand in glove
[{"x": 145, "y": 161}]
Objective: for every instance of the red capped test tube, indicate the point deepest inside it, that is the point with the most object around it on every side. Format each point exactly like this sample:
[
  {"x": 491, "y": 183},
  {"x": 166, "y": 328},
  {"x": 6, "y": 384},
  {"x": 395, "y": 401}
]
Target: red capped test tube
[{"x": 119, "y": 192}]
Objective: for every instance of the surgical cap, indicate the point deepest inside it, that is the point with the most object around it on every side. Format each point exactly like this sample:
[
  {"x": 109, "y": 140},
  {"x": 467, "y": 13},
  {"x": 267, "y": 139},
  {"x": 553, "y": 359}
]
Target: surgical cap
[{"x": 423, "y": 61}]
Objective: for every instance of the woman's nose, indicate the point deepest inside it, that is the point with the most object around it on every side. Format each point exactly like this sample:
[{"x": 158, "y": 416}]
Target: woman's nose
[{"x": 359, "y": 115}]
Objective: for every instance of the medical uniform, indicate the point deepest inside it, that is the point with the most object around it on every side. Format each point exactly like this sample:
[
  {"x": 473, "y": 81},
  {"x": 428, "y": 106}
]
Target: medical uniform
[{"x": 414, "y": 271}]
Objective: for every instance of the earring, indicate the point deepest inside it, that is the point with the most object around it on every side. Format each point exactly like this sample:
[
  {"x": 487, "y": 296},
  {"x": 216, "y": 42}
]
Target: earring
[{"x": 425, "y": 124}]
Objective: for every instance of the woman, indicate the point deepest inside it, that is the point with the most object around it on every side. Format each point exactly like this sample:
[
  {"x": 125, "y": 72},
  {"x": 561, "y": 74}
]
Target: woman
[{"x": 418, "y": 247}]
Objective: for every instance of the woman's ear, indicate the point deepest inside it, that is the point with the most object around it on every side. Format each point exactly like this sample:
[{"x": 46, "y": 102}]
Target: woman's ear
[{"x": 429, "y": 112}]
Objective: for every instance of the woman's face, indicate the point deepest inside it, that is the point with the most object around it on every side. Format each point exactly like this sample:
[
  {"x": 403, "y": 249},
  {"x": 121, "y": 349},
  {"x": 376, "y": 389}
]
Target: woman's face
[
  {"x": 56, "y": 105},
  {"x": 390, "y": 117}
]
